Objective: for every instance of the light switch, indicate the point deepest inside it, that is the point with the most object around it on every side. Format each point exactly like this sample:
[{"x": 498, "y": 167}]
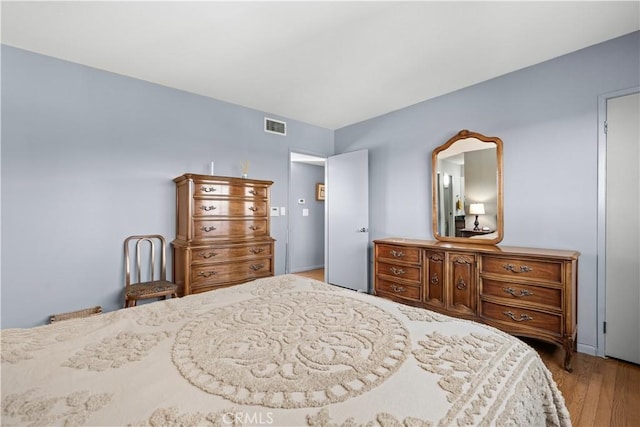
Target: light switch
[
  {"x": 301, "y": 201},
  {"x": 283, "y": 211},
  {"x": 275, "y": 211},
  {"x": 305, "y": 212}
]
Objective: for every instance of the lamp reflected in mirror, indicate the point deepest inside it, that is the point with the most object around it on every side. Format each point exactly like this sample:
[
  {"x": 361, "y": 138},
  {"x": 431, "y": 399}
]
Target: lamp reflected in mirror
[{"x": 476, "y": 209}]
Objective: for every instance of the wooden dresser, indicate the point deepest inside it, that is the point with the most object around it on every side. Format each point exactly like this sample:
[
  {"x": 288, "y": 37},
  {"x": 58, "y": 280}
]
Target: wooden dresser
[
  {"x": 222, "y": 232},
  {"x": 523, "y": 291}
]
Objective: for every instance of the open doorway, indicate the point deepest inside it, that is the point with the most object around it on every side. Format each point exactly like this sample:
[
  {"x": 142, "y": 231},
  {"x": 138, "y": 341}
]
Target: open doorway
[{"x": 306, "y": 216}]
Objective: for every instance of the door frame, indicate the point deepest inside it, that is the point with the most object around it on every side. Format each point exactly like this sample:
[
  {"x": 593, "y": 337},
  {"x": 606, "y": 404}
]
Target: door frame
[
  {"x": 602, "y": 209},
  {"x": 287, "y": 259}
]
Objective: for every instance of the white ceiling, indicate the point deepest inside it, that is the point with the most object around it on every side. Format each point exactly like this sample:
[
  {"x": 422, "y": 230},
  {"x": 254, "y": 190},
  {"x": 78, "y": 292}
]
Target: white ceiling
[{"x": 326, "y": 63}]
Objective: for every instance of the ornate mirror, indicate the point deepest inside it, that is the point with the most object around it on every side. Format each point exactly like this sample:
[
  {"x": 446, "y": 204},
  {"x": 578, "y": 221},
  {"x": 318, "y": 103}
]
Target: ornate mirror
[{"x": 467, "y": 189}]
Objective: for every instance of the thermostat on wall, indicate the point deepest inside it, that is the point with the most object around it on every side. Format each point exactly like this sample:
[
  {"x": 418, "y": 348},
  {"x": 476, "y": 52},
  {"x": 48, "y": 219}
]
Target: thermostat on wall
[{"x": 301, "y": 201}]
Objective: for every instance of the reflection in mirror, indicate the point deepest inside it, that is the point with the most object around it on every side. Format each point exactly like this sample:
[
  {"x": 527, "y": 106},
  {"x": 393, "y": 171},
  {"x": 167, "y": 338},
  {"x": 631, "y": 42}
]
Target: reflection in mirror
[{"x": 467, "y": 189}]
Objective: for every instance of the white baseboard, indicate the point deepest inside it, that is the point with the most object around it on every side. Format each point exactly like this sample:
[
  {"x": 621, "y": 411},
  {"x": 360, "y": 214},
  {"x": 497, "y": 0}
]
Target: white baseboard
[
  {"x": 587, "y": 349},
  {"x": 302, "y": 269}
]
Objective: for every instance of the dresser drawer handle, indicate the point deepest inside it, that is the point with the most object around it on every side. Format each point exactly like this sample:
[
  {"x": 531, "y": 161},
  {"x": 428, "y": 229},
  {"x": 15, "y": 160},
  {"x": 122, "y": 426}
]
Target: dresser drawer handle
[
  {"x": 208, "y": 208},
  {"x": 461, "y": 284},
  {"x": 397, "y": 271},
  {"x": 523, "y": 317},
  {"x": 208, "y": 229},
  {"x": 397, "y": 288},
  {"x": 254, "y": 227},
  {"x": 397, "y": 254},
  {"x": 512, "y": 268},
  {"x": 256, "y": 267},
  {"x": 523, "y": 292},
  {"x": 207, "y": 189},
  {"x": 253, "y": 208},
  {"x": 208, "y": 255},
  {"x": 253, "y": 192},
  {"x": 207, "y": 273},
  {"x": 434, "y": 279},
  {"x": 256, "y": 251}
]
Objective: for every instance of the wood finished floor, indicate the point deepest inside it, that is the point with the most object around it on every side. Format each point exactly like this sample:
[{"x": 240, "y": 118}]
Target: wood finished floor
[{"x": 599, "y": 392}]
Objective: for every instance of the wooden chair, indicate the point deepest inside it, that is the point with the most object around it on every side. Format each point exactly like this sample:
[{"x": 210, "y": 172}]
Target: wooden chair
[{"x": 150, "y": 288}]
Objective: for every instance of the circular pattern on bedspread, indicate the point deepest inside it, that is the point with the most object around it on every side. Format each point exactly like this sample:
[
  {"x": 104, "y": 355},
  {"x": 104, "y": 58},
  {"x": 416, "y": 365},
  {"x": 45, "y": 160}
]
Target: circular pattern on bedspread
[{"x": 299, "y": 349}]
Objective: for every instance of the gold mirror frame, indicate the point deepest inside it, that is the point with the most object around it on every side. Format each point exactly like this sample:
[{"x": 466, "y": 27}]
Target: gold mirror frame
[{"x": 499, "y": 214}]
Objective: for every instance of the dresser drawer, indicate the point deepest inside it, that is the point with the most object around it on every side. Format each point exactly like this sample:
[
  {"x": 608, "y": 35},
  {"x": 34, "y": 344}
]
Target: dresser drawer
[
  {"x": 412, "y": 274},
  {"x": 230, "y": 228},
  {"x": 219, "y": 274},
  {"x": 400, "y": 253},
  {"x": 410, "y": 292},
  {"x": 524, "y": 293},
  {"x": 224, "y": 189},
  {"x": 520, "y": 318},
  {"x": 222, "y": 207},
  {"x": 523, "y": 269},
  {"x": 226, "y": 254}
]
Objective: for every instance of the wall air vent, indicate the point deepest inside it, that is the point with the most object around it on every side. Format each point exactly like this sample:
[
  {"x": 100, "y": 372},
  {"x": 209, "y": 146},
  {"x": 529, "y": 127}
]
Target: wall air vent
[{"x": 275, "y": 126}]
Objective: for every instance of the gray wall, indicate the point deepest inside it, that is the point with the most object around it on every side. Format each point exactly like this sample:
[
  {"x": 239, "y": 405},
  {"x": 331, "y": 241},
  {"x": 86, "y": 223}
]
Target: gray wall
[
  {"x": 306, "y": 238},
  {"x": 88, "y": 158},
  {"x": 546, "y": 116}
]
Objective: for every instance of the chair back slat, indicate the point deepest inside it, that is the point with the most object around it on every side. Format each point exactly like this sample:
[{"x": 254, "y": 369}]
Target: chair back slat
[
  {"x": 152, "y": 258},
  {"x": 139, "y": 240}
]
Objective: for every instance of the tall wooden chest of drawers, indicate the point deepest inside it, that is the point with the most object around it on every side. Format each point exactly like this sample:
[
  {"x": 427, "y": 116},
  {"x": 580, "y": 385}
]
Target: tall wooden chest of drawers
[
  {"x": 523, "y": 291},
  {"x": 222, "y": 232}
]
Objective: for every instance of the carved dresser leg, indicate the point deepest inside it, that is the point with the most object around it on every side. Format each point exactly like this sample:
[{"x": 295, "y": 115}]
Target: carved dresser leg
[{"x": 568, "y": 354}]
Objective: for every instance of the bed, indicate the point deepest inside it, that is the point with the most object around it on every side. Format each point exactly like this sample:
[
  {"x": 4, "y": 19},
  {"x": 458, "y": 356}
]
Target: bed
[{"x": 280, "y": 351}]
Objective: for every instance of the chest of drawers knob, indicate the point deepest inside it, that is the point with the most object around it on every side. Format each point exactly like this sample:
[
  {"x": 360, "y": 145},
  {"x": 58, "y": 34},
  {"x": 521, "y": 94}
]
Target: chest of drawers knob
[
  {"x": 523, "y": 292},
  {"x": 256, "y": 251},
  {"x": 207, "y": 273},
  {"x": 256, "y": 267},
  {"x": 434, "y": 279},
  {"x": 254, "y": 227},
  {"x": 207, "y": 208},
  {"x": 253, "y": 192},
  {"x": 253, "y": 208},
  {"x": 205, "y": 189},
  {"x": 208, "y": 255},
  {"x": 398, "y": 289},
  {"x": 513, "y": 269},
  {"x": 208, "y": 229},
  {"x": 397, "y": 271},
  {"x": 396, "y": 254},
  {"x": 461, "y": 284},
  {"x": 523, "y": 317}
]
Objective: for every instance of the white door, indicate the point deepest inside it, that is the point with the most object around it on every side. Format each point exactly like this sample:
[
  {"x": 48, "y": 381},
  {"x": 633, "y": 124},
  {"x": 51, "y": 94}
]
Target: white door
[
  {"x": 622, "y": 271},
  {"x": 347, "y": 220}
]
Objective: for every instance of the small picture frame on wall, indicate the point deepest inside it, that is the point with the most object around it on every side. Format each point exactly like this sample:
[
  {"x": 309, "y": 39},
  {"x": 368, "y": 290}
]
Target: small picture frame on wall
[{"x": 320, "y": 191}]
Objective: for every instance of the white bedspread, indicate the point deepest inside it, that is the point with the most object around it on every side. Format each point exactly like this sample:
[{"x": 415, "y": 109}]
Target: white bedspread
[{"x": 281, "y": 351}]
